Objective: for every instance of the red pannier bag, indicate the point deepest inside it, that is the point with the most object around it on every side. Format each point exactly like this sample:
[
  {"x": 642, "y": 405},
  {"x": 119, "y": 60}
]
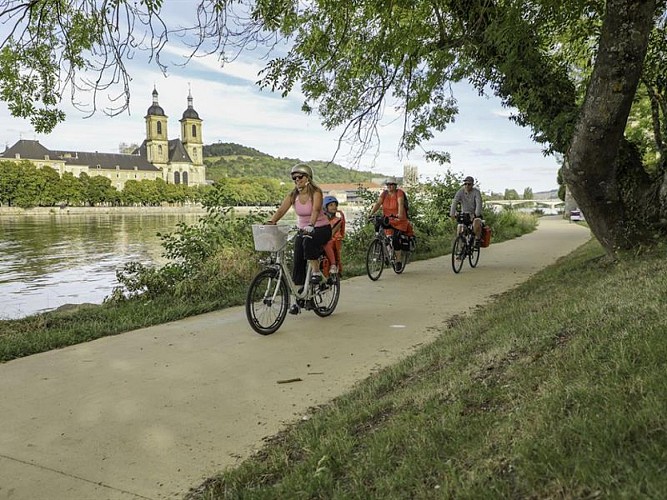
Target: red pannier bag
[{"x": 486, "y": 236}]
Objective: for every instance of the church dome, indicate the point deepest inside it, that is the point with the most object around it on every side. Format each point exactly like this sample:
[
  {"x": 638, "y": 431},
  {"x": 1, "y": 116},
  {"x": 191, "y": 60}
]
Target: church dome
[
  {"x": 190, "y": 112},
  {"x": 155, "y": 109}
]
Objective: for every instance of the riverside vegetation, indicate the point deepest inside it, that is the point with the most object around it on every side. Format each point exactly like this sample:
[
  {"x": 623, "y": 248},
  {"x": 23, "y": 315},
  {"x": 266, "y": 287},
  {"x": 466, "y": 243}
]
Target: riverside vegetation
[
  {"x": 244, "y": 176},
  {"x": 557, "y": 389},
  {"x": 211, "y": 264}
]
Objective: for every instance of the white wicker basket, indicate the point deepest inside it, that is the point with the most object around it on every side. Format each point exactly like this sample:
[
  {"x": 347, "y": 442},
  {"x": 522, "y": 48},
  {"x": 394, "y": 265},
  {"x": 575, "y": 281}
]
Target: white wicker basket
[{"x": 269, "y": 237}]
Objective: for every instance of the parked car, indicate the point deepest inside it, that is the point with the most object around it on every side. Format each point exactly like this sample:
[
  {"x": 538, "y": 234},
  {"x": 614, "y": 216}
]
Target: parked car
[{"x": 576, "y": 215}]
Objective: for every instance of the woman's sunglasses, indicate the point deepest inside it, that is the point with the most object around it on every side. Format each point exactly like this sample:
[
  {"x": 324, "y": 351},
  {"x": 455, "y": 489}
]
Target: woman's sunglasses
[{"x": 297, "y": 177}]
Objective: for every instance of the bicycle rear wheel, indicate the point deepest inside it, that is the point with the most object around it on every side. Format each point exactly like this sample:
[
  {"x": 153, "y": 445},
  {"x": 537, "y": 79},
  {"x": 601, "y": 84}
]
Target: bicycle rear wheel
[
  {"x": 473, "y": 256},
  {"x": 404, "y": 262},
  {"x": 458, "y": 253},
  {"x": 267, "y": 302},
  {"x": 325, "y": 299},
  {"x": 375, "y": 260}
]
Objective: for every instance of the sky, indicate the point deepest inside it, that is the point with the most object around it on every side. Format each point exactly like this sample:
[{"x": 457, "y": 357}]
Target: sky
[{"x": 482, "y": 141}]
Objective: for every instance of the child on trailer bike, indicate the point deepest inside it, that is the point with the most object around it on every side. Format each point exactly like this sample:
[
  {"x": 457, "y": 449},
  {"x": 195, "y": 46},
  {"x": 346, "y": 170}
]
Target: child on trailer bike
[
  {"x": 392, "y": 201},
  {"x": 334, "y": 246},
  {"x": 306, "y": 198},
  {"x": 470, "y": 200}
]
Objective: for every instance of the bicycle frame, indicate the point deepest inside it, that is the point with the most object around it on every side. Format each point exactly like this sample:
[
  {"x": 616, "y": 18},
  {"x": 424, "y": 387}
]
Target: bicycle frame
[{"x": 278, "y": 261}]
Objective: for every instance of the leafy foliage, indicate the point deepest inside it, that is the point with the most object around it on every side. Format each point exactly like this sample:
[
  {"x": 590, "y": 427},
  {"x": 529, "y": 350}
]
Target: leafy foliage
[
  {"x": 195, "y": 254},
  {"x": 569, "y": 70}
]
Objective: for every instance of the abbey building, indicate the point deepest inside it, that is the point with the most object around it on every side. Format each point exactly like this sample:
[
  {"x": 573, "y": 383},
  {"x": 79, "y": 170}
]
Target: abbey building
[{"x": 176, "y": 161}]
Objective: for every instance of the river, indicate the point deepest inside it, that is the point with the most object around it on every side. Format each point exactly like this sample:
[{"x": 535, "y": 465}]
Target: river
[{"x": 47, "y": 261}]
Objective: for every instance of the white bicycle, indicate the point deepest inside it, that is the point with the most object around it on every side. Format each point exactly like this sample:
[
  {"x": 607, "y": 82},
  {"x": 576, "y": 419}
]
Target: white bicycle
[{"x": 268, "y": 298}]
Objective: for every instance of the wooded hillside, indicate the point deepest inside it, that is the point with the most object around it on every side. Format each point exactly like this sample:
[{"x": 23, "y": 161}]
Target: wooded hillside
[{"x": 229, "y": 160}]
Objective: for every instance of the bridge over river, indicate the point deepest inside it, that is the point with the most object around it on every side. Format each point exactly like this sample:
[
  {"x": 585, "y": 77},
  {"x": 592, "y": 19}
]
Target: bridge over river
[{"x": 549, "y": 206}]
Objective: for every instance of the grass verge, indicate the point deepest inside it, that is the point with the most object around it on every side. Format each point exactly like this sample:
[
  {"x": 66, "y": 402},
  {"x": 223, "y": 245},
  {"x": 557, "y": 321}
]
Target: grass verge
[{"x": 555, "y": 390}]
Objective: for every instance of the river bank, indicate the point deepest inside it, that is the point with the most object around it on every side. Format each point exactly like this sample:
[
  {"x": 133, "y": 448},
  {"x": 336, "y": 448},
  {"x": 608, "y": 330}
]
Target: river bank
[
  {"x": 194, "y": 208},
  {"x": 58, "y": 211}
]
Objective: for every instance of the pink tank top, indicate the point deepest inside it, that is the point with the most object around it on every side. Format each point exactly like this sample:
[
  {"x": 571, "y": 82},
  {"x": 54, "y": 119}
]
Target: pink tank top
[{"x": 303, "y": 211}]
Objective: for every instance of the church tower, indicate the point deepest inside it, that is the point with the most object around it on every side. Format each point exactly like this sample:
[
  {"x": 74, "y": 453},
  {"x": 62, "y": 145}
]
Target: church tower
[
  {"x": 191, "y": 133},
  {"x": 157, "y": 142}
]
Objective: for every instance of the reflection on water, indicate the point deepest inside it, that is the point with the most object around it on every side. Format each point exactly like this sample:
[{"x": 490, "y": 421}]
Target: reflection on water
[{"x": 48, "y": 261}]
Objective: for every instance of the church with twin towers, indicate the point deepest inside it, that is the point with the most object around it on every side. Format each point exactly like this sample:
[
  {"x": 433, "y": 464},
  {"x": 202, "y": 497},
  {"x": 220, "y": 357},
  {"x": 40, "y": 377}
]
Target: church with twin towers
[{"x": 176, "y": 161}]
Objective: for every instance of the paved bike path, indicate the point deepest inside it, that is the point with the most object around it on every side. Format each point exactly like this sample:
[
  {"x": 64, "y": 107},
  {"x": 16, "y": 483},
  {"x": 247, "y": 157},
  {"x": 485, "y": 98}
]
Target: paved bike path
[{"x": 153, "y": 412}]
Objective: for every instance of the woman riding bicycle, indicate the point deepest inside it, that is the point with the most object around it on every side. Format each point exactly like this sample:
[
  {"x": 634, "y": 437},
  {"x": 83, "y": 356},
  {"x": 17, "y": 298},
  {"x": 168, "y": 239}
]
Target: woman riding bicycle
[
  {"x": 306, "y": 198},
  {"x": 393, "y": 206}
]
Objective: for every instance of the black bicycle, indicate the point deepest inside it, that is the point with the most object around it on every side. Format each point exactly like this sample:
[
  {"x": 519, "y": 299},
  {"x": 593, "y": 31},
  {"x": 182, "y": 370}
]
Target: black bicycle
[
  {"x": 381, "y": 250},
  {"x": 464, "y": 244}
]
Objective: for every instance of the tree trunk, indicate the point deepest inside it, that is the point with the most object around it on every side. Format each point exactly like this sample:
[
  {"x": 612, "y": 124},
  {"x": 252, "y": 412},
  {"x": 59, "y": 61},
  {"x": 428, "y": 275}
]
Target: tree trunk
[{"x": 603, "y": 171}]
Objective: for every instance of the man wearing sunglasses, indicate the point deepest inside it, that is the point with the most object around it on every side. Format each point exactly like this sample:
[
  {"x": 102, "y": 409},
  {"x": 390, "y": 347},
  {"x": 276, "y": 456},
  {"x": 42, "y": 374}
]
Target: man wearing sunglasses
[{"x": 470, "y": 200}]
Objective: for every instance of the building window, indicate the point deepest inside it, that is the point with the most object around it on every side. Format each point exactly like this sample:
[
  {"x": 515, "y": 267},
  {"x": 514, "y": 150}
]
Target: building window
[
  {"x": 185, "y": 178},
  {"x": 177, "y": 177},
  {"x": 159, "y": 128},
  {"x": 159, "y": 151},
  {"x": 194, "y": 131}
]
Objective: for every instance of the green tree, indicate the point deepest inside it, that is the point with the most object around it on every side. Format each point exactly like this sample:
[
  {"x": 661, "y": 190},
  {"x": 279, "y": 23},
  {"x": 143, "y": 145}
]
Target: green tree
[
  {"x": 431, "y": 202},
  {"x": 561, "y": 184},
  {"x": 571, "y": 69},
  {"x": 50, "y": 187},
  {"x": 132, "y": 193},
  {"x": 72, "y": 189},
  {"x": 528, "y": 194},
  {"x": 29, "y": 187},
  {"x": 10, "y": 178},
  {"x": 511, "y": 194},
  {"x": 176, "y": 193},
  {"x": 153, "y": 191},
  {"x": 98, "y": 190}
]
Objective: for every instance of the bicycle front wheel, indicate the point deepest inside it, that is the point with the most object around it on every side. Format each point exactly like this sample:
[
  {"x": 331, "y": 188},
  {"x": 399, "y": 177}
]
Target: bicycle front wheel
[
  {"x": 458, "y": 253},
  {"x": 473, "y": 256},
  {"x": 375, "y": 260},
  {"x": 326, "y": 298},
  {"x": 267, "y": 302}
]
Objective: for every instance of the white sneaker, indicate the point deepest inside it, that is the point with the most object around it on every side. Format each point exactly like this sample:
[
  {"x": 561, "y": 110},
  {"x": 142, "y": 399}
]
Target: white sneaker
[{"x": 333, "y": 269}]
